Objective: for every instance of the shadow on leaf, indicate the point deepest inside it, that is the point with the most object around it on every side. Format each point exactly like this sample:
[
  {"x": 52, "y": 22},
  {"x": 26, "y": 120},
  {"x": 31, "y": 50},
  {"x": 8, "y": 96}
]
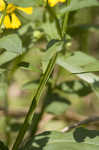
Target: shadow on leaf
[
  {"x": 2, "y": 146},
  {"x": 80, "y": 134},
  {"x": 38, "y": 143}
]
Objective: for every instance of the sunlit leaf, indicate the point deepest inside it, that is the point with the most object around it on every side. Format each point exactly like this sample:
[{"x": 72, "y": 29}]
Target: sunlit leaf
[
  {"x": 75, "y": 64},
  {"x": 80, "y": 139},
  {"x": 78, "y": 4},
  {"x": 25, "y": 3},
  {"x": 56, "y": 101},
  {"x": 11, "y": 43}
]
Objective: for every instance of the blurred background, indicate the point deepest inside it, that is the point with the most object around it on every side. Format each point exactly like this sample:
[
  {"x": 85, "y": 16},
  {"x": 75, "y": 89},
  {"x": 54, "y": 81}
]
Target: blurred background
[{"x": 67, "y": 98}]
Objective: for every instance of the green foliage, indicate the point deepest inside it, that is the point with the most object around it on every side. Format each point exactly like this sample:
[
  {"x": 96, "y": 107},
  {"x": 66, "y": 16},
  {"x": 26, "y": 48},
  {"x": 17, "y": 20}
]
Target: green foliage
[
  {"x": 2, "y": 146},
  {"x": 76, "y": 64},
  {"x": 79, "y": 139},
  {"x": 25, "y": 3},
  {"x": 76, "y": 4},
  {"x": 50, "y": 66},
  {"x": 7, "y": 57},
  {"x": 11, "y": 43},
  {"x": 56, "y": 101}
]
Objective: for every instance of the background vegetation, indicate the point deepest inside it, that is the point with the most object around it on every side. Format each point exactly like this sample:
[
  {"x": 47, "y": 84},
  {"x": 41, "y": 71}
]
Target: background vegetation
[{"x": 72, "y": 91}]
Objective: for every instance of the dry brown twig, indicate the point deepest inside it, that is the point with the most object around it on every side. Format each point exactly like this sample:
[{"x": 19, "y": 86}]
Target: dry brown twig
[{"x": 83, "y": 122}]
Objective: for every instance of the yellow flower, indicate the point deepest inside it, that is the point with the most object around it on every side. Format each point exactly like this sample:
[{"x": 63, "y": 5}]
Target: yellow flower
[
  {"x": 10, "y": 19},
  {"x": 52, "y": 3}
]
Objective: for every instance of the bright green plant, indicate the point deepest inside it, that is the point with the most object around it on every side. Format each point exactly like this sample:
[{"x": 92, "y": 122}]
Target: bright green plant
[{"x": 48, "y": 27}]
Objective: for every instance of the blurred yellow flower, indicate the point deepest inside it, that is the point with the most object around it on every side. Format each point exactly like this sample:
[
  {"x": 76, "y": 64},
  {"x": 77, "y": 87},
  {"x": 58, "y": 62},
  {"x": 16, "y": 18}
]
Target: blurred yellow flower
[
  {"x": 10, "y": 19},
  {"x": 52, "y": 3}
]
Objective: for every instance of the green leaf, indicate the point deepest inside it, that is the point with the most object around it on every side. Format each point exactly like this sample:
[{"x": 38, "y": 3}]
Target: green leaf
[
  {"x": 2, "y": 146},
  {"x": 78, "y": 4},
  {"x": 75, "y": 64},
  {"x": 75, "y": 87},
  {"x": 11, "y": 43},
  {"x": 80, "y": 64},
  {"x": 25, "y": 3},
  {"x": 7, "y": 57},
  {"x": 53, "y": 101},
  {"x": 92, "y": 67},
  {"x": 79, "y": 59},
  {"x": 31, "y": 85},
  {"x": 80, "y": 139},
  {"x": 61, "y": 108},
  {"x": 50, "y": 30}
]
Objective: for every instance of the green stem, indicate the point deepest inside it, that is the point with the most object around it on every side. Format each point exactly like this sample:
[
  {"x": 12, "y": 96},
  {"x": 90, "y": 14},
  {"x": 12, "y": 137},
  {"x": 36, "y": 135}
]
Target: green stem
[
  {"x": 57, "y": 69},
  {"x": 36, "y": 119},
  {"x": 41, "y": 86},
  {"x": 52, "y": 13},
  {"x": 65, "y": 22},
  {"x": 35, "y": 102}
]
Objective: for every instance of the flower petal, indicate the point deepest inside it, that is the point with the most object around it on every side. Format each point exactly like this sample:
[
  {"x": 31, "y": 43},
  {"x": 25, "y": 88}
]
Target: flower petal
[
  {"x": 27, "y": 10},
  {"x": 7, "y": 22},
  {"x": 52, "y": 3},
  {"x": 15, "y": 23},
  {"x": 62, "y": 1},
  {"x": 10, "y": 8},
  {"x": 2, "y": 5}
]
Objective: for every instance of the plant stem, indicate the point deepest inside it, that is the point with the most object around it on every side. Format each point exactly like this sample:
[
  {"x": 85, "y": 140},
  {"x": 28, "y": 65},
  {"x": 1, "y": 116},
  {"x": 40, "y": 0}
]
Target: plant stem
[
  {"x": 52, "y": 13},
  {"x": 80, "y": 123},
  {"x": 65, "y": 22},
  {"x": 42, "y": 84},
  {"x": 35, "y": 102}
]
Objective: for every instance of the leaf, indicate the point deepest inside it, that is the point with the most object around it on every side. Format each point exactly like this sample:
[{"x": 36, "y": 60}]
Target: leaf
[
  {"x": 60, "y": 108},
  {"x": 7, "y": 57},
  {"x": 75, "y": 87},
  {"x": 53, "y": 101},
  {"x": 78, "y": 4},
  {"x": 31, "y": 85},
  {"x": 2, "y": 146},
  {"x": 79, "y": 59},
  {"x": 80, "y": 64},
  {"x": 92, "y": 67},
  {"x": 50, "y": 30},
  {"x": 80, "y": 139},
  {"x": 75, "y": 64},
  {"x": 11, "y": 43},
  {"x": 25, "y": 3}
]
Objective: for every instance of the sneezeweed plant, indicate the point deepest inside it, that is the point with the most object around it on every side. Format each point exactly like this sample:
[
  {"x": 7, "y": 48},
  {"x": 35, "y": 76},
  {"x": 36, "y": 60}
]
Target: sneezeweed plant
[
  {"x": 11, "y": 21},
  {"x": 56, "y": 27},
  {"x": 52, "y": 3}
]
